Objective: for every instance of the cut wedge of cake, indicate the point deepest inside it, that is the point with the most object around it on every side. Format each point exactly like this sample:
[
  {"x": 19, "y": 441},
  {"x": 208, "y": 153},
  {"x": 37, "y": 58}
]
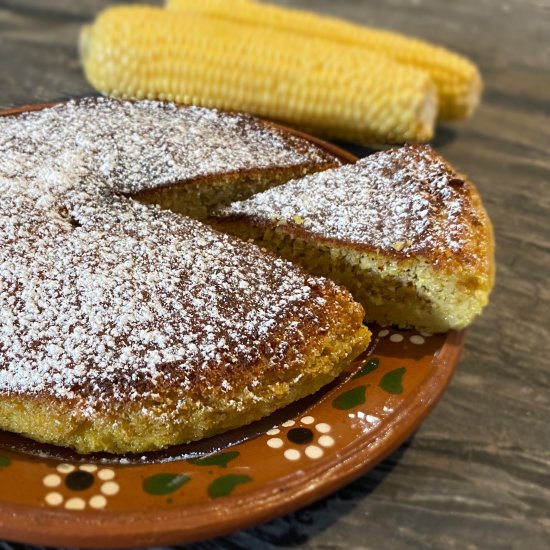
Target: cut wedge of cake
[{"x": 401, "y": 229}]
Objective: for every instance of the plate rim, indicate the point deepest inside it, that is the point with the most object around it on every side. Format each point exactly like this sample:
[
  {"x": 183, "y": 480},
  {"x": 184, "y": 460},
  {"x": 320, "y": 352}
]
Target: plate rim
[
  {"x": 139, "y": 528},
  {"x": 235, "y": 512}
]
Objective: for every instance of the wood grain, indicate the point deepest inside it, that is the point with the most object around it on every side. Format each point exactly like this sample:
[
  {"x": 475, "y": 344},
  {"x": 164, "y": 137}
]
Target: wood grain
[{"x": 476, "y": 475}]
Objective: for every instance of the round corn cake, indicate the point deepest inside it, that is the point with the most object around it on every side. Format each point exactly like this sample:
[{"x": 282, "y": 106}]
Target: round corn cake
[{"x": 125, "y": 327}]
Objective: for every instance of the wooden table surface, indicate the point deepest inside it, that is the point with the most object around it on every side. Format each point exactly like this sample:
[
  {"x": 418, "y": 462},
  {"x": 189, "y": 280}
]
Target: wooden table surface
[{"x": 476, "y": 474}]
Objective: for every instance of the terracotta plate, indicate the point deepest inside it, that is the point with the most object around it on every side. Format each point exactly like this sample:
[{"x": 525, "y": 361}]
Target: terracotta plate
[{"x": 53, "y": 497}]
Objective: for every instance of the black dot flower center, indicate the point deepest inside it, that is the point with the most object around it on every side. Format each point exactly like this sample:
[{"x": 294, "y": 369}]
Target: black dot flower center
[
  {"x": 301, "y": 436},
  {"x": 79, "y": 481}
]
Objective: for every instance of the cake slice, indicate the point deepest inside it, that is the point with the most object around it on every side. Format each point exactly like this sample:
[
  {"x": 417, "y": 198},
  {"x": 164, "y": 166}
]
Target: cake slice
[{"x": 401, "y": 229}]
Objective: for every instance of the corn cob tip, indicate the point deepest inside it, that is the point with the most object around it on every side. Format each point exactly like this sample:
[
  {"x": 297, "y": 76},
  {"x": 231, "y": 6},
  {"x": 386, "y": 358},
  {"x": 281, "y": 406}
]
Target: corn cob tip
[
  {"x": 474, "y": 94},
  {"x": 83, "y": 41},
  {"x": 427, "y": 116}
]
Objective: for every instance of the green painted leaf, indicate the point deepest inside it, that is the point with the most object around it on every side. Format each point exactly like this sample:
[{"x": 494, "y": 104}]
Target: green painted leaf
[
  {"x": 350, "y": 399},
  {"x": 4, "y": 461},
  {"x": 224, "y": 486},
  {"x": 392, "y": 381},
  {"x": 164, "y": 484},
  {"x": 221, "y": 460},
  {"x": 369, "y": 366}
]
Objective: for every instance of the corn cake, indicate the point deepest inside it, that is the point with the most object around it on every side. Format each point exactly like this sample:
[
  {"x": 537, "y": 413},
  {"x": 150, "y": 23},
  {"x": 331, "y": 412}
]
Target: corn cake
[
  {"x": 125, "y": 327},
  {"x": 401, "y": 229}
]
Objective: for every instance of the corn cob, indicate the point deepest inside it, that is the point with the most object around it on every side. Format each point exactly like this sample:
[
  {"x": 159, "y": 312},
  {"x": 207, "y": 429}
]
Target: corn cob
[
  {"x": 337, "y": 91},
  {"x": 457, "y": 79}
]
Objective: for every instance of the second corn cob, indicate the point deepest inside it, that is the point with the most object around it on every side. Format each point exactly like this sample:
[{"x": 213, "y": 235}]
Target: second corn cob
[
  {"x": 457, "y": 79},
  {"x": 338, "y": 91}
]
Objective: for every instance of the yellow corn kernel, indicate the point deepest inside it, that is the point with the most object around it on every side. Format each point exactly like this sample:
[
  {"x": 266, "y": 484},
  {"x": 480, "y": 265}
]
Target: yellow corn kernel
[
  {"x": 334, "y": 90},
  {"x": 457, "y": 80}
]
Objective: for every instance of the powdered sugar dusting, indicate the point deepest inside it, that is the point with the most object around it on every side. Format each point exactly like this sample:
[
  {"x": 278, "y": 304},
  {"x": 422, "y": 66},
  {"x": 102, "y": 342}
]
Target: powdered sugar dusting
[
  {"x": 403, "y": 201},
  {"x": 104, "y": 300},
  {"x": 135, "y": 146}
]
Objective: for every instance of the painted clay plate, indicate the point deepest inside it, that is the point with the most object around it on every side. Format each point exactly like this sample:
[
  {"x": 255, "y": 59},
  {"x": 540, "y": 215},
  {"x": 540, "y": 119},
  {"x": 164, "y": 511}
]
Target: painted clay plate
[{"x": 54, "y": 497}]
